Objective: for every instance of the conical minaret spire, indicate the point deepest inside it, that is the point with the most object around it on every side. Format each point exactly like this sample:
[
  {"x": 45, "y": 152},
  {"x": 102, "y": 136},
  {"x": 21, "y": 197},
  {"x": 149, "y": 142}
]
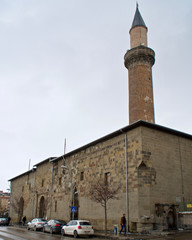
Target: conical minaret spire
[
  {"x": 138, "y": 20},
  {"x": 138, "y": 31},
  {"x": 139, "y": 61}
]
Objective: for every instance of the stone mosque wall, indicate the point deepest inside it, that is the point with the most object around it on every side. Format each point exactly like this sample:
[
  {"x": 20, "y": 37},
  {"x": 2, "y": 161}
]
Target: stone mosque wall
[{"x": 159, "y": 180}]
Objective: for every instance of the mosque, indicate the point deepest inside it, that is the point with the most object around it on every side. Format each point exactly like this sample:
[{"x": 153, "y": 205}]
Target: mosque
[{"x": 151, "y": 165}]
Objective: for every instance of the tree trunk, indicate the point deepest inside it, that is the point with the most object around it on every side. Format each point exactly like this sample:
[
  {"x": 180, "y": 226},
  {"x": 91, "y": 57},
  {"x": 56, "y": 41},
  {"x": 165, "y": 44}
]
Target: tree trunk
[{"x": 105, "y": 218}]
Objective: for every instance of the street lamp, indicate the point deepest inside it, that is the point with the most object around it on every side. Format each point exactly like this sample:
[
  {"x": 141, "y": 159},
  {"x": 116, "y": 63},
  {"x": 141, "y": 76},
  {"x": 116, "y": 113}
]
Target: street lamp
[{"x": 72, "y": 187}]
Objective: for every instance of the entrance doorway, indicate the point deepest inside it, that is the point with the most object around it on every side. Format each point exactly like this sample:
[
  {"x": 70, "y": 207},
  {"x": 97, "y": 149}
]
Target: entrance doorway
[
  {"x": 171, "y": 219},
  {"x": 20, "y": 212},
  {"x": 42, "y": 207}
]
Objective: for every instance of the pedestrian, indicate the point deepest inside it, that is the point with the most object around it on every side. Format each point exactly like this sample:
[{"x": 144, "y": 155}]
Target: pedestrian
[
  {"x": 24, "y": 220},
  {"x": 8, "y": 220},
  {"x": 123, "y": 223}
]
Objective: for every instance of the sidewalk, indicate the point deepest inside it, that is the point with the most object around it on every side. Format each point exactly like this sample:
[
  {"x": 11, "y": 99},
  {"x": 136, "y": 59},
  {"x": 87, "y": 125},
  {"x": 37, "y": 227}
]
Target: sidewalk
[{"x": 137, "y": 236}]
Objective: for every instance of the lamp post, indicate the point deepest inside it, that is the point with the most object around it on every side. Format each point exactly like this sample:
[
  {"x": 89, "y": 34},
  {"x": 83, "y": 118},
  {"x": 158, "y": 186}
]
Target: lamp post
[
  {"x": 72, "y": 186},
  {"x": 74, "y": 192}
]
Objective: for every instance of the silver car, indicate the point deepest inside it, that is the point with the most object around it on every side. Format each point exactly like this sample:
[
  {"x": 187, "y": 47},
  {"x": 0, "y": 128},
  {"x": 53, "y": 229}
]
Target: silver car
[
  {"x": 77, "y": 228},
  {"x": 36, "y": 224},
  {"x": 4, "y": 222}
]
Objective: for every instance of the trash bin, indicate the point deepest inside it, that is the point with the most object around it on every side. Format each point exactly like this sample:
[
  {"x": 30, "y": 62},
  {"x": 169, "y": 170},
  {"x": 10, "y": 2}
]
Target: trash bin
[{"x": 115, "y": 229}]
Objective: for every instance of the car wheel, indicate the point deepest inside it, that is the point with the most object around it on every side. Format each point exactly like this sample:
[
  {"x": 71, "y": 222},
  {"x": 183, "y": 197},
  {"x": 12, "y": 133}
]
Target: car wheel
[
  {"x": 62, "y": 232},
  {"x": 28, "y": 228},
  {"x": 51, "y": 230},
  {"x": 35, "y": 229},
  {"x": 75, "y": 234}
]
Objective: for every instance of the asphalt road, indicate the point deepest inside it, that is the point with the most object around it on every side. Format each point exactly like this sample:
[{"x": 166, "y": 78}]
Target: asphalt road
[{"x": 14, "y": 233}]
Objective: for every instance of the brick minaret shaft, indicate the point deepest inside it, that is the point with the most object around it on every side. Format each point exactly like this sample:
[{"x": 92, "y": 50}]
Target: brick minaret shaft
[{"x": 139, "y": 61}]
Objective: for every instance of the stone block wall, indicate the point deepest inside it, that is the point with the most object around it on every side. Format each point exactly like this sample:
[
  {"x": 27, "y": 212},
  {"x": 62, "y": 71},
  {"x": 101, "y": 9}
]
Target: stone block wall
[
  {"x": 168, "y": 165},
  {"x": 159, "y": 177},
  {"x": 21, "y": 197}
]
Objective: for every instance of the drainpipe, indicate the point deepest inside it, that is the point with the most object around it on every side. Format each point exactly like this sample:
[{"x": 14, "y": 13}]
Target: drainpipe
[
  {"x": 73, "y": 197},
  {"x": 127, "y": 198},
  {"x": 34, "y": 189},
  {"x": 51, "y": 192},
  {"x": 181, "y": 169}
]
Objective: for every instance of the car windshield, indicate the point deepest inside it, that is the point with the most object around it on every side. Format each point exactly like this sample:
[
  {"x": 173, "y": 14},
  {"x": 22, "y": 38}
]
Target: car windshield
[
  {"x": 69, "y": 223},
  {"x": 84, "y": 223},
  {"x": 41, "y": 220},
  {"x": 56, "y": 221},
  {"x": 63, "y": 222}
]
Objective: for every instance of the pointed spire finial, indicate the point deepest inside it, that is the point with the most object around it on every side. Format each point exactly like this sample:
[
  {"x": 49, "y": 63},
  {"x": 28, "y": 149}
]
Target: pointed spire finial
[{"x": 138, "y": 20}]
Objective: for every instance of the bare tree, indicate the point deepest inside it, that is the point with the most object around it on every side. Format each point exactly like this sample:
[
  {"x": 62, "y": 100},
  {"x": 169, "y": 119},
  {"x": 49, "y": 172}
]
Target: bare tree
[{"x": 102, "y": 192}]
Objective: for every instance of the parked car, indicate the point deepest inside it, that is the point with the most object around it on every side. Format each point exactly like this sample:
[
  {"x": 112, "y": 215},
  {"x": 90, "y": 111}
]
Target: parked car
[
  {"x": 36, "y": 224},
  {"x": 4, "y": 222},
  {"x": 53, "y": 226},
  {"x": 77, "y": 228}
]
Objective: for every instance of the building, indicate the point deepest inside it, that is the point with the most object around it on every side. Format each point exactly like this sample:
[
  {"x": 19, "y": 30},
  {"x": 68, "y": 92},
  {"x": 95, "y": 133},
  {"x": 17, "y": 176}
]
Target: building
[
  {"x": 4, "y": 203},
  {"x": 151, "y": 164}
]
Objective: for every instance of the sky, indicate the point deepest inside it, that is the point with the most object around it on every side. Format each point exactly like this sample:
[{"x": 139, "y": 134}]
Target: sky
[{"x": 62, "y": 73}]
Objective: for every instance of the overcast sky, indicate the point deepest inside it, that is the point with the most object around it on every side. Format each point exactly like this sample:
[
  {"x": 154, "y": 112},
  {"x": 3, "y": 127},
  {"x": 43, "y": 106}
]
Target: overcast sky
[{"x": 62, "y": 73}]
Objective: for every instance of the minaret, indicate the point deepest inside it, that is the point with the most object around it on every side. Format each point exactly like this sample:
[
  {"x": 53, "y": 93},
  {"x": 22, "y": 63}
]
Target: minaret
[{"x": 139, "y": 61}]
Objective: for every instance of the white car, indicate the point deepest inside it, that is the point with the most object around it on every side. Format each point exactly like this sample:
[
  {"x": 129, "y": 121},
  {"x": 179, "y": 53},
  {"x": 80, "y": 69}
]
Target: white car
[
  {"x": 77, "y": 228},
  {"x": 36, "y": 224}
]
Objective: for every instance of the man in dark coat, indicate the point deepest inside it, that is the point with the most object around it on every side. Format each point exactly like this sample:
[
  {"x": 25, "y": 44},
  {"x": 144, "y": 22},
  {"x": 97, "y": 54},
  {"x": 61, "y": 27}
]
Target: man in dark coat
[
  {"x": 24, "y": 220},
  {"x": 8, "y": 220},
  {"x": 123, "y": 224}
]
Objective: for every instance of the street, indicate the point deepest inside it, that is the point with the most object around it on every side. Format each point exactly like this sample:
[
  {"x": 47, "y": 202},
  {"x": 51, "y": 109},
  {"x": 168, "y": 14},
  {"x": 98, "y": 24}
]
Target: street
[
  {"x": 12, "y": 233},
  {"x": 16, "y": 233}
]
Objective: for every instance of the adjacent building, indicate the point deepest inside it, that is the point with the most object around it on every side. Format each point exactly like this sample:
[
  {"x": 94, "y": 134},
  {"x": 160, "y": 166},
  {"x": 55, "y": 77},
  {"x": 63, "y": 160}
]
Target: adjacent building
[{"x": 4, "y": 203}]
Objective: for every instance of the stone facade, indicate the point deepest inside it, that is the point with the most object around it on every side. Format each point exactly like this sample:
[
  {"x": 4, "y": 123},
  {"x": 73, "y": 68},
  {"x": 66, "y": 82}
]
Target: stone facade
[{"x": 159, "y": 179}]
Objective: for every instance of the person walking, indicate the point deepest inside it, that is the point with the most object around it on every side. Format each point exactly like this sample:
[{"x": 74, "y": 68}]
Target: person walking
[
  {"x": 24, "y": 220},
  {"x": 123, "y": 224},
  {"x": 8, "y": 220}
]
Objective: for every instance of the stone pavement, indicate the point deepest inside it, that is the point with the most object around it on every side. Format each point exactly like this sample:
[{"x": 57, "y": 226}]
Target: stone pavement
[{"x": 136, "y": 236}]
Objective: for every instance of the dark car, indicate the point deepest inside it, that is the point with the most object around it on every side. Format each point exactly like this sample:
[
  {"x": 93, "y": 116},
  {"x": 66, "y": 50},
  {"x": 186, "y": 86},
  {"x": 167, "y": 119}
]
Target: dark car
[
  {"x": 53, "y": 226},
  {"x": 36, "y": 224},
  {"x": 4, "y": 222}
]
